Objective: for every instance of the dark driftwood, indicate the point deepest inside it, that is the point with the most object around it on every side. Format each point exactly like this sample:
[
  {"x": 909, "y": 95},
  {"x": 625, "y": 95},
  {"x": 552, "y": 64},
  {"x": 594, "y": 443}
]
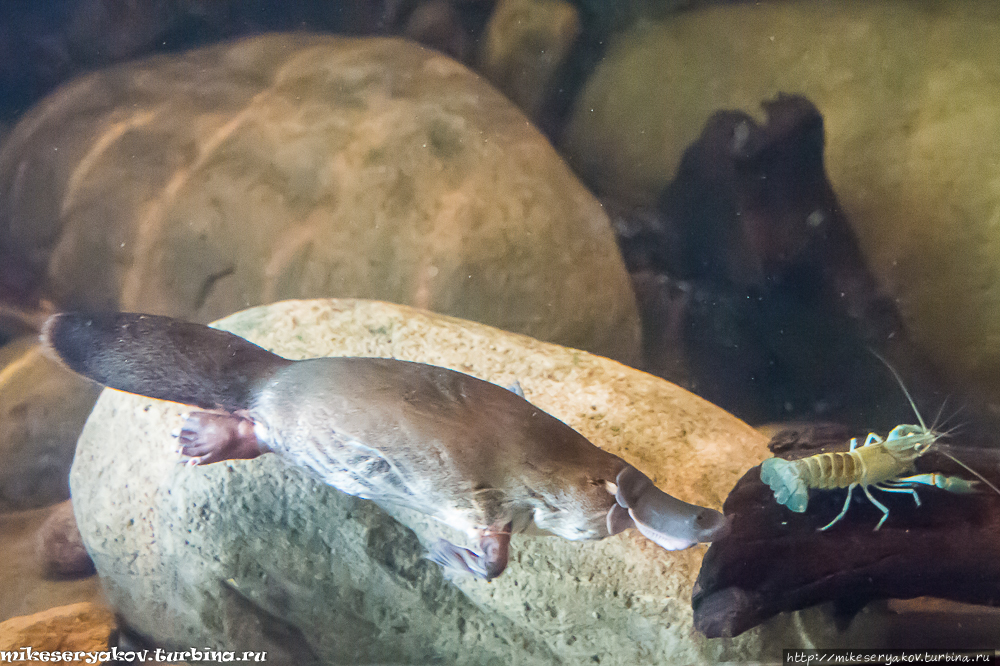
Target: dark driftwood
[
  {"x": 775, "y": 560},
  {"x": 752, "y": 286}
]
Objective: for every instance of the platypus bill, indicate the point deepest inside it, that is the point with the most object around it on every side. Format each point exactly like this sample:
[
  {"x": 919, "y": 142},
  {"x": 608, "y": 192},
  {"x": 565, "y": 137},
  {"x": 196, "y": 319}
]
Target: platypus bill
[{"x": 467, "y": 452}]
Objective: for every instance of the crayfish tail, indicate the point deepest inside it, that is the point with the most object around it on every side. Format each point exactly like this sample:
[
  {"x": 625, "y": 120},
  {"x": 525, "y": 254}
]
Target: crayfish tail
[{"x": 785, "y": 480}]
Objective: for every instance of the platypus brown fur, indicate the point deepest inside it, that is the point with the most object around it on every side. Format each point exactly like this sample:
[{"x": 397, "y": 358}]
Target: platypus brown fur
[{"x": 469, "y": 453}]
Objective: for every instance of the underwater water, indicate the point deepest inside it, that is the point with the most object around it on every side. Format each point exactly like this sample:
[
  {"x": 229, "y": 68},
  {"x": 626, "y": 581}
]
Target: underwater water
[{"x": 689, "y": 237}]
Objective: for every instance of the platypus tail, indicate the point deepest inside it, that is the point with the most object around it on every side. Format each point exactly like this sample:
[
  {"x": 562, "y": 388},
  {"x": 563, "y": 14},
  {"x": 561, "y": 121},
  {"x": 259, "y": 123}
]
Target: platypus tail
[
  {"x": 787, "y": 483},
  {"x": 161, "y": 357}
]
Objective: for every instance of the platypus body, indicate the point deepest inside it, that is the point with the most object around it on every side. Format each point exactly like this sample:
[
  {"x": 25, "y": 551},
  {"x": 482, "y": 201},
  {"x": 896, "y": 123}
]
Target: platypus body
[{"x": 467, "y": 452}]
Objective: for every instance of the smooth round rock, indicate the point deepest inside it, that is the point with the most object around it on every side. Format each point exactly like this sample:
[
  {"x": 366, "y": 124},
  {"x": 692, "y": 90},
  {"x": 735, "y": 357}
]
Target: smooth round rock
[
  {"x": 298, "y": 165},
  {"x": 525, "y": 48},
  {"x": 60, "y": 546},
  {"x": 197, "y": 555}
]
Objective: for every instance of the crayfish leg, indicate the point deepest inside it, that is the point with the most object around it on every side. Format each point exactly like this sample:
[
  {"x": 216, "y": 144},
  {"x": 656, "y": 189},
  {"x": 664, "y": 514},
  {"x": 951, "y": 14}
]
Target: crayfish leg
[
  {"x": 892, "y": 487},
  {"x": 843, "y": 512},
  {"x": 882, "y": 507}
]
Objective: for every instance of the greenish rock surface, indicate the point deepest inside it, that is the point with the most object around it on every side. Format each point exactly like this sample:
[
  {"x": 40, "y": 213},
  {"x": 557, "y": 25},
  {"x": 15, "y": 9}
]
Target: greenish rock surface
[
  {"x": 908, "y": 92},
  {"x": 526, "y": 47},
  {"x": 297, "y": 165},
  {"x": 204, "y": 555}
]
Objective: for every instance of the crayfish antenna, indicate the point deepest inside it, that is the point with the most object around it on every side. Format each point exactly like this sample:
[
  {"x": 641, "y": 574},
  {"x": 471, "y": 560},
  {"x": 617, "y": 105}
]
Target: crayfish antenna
[{"x": 899, "y": 380}]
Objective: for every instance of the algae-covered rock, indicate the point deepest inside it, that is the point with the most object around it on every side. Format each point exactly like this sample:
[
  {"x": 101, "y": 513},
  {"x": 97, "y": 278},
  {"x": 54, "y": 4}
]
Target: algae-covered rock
[
  {"x": 202, "y": 555},
  {"x": 908, "y": 95},
  {"x": 296, "y": 165}
]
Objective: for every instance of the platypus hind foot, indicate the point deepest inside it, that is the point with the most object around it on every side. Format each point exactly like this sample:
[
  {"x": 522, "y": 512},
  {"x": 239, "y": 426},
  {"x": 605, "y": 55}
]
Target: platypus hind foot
[
  {"x": 665, "y": 520},
  {"x": 209, "y": 437},
  {"x": 489, "y": 565}
]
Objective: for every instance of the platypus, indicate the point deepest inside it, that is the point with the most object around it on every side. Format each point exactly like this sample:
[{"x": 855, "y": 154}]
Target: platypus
[{"x": 469, "y": 453}]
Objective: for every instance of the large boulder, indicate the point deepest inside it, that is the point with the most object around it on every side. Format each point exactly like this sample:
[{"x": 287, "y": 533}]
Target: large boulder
[
  {"x": 297, "y": 165},
  {"x": 211, "y": 555},
  {"x": 908, "y": 95}
]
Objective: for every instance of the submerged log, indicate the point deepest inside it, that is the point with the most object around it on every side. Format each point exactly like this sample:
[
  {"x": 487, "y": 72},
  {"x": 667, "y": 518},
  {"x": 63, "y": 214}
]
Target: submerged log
[{"x": 775, "y": 561}]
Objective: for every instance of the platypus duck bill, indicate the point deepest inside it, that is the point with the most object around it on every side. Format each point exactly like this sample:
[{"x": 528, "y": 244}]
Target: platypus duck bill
[{"x": 665, "y": 520}]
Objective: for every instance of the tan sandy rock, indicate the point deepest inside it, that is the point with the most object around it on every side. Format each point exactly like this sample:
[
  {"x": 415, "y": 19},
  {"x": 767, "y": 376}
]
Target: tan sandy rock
[
  {"x": 298, "y": 165},
  {"x": 83, "y": 626},
  {"x": 196, "y": 555}
]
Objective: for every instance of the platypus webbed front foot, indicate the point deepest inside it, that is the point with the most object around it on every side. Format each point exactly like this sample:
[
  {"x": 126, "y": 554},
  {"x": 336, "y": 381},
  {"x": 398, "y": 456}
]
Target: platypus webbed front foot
[
  {"x": 207, "y": 437},
  {"x": 489, "y": 565},
  {"x": 665, "y": 520}
]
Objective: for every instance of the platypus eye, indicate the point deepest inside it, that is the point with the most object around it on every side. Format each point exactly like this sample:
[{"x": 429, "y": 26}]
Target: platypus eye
[{"x": 609, "y": 486}]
